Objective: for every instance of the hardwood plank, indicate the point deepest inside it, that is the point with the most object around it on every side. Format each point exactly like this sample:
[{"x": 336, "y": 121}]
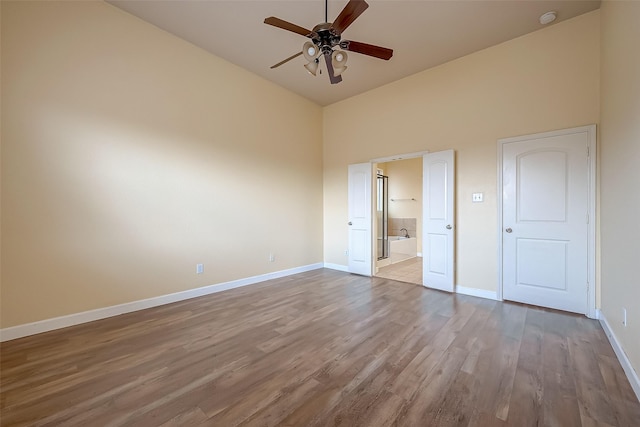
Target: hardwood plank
[
  {"x": 316, "y": 349},
  {"x": 590, "y": 387},
  {"x": 560, "y": 406},
  {"x": 191, "y": 416},
  {"x": 423, "y": 408},
  {"x": 526, "y": 404},
  {"x": 621, "y": 394},
  {"x": 497, "y": 360}
]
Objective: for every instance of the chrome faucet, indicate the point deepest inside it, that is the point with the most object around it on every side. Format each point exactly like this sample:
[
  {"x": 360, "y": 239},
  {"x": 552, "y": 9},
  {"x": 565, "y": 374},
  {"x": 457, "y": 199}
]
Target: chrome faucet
[{"x": 406, "y": 233}]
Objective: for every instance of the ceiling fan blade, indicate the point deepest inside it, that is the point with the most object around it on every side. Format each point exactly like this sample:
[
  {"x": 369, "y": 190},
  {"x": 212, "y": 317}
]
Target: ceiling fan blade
[
  {"x": 350, "y": 13},
  {"x": 332, "y": 77},
  {"x": 280, "y": 23},
  {"x": 367, "y": 49},
  {"x": 286, "y": 60}
]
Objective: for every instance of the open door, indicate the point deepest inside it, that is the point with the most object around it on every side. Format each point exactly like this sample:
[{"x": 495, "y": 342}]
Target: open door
[
  {"x": 360, "y": 233},
  {"x": 438, "y": 220}
]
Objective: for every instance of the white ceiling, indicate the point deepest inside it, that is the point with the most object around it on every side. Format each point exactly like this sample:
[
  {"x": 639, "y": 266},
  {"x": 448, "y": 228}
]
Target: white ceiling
[{"x": 422, "y": 33}]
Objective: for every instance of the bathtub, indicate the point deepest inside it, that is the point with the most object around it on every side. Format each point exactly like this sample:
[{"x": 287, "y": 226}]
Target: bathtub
[{"x": 401, "y": 248}]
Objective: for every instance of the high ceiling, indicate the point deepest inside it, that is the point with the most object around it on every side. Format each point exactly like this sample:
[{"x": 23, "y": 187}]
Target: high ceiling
[{"x": 422, "y": 33}]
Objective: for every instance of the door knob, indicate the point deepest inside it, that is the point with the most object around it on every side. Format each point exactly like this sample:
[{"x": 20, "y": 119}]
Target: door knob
[
  {"x": 350, "y": 223},
  {"x": 448, "y": 227},
  {"x": 508, "y": 230}
]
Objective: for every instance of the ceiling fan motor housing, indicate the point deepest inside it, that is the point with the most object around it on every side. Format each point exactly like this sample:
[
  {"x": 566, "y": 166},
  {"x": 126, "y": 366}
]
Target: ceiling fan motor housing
[{"x": 325, "y": 37}]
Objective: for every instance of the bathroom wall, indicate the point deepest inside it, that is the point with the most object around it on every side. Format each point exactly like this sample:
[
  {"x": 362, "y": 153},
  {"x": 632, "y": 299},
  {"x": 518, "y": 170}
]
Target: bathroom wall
[
  {"x": 397, "y": 224},
  {"x": 405, "y": 183}
]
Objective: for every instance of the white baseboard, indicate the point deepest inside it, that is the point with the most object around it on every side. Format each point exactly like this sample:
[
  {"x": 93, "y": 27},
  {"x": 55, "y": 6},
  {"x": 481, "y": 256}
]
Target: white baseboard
[
  {"x": 481, "y": 293},
  {"x": 27, "y": 329},
  {"x": 632, "y": 375},
  {"x": 338, "y": 267}
]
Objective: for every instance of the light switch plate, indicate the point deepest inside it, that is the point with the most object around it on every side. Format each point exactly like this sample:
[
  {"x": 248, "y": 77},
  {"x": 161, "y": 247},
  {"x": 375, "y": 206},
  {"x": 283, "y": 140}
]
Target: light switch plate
[{"x": 477, "y": 197}]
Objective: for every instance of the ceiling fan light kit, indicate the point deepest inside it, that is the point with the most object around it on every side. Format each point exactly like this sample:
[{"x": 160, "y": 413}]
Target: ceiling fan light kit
[
  {"x": 312, "y": 67},
  {"x": 326, "y": 40},
  {"x": 339, "y": 61},
  {"x": 310, "y": 51}
]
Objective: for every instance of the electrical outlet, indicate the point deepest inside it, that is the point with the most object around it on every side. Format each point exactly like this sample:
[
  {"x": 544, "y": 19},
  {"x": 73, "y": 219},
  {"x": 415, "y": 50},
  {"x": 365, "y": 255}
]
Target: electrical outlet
[
  {"x": 624, "y": 316},
  {"x": 272, "y": 257},
  {"x": 477, "y": 197},
  {"x": 346, "y": 252},
  {"x": 199, "y": 268}
]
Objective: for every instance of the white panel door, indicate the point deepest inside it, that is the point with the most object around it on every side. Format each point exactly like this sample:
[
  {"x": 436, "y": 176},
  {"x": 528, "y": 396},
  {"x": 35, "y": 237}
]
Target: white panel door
[
  {"x": 545, "y": 191},
  {"x": 360, "y": 234},
  {"x": 438, "y": 224}
]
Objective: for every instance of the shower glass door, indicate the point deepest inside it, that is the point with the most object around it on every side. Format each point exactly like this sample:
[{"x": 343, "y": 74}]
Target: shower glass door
[{"x": 382, "y": 217}]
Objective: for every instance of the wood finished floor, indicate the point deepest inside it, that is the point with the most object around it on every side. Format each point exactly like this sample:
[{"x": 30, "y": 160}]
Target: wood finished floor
[{"x": 322, "y": 348}]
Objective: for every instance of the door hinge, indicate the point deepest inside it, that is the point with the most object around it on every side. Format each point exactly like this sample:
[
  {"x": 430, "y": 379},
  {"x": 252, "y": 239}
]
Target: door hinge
[
  {"x": 587, "y": 218},
  {"x": 588, "y": 151}
]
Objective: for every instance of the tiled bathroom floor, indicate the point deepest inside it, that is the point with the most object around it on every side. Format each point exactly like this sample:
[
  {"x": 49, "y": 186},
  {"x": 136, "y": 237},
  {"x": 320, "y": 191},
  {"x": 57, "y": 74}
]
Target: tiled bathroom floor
[{"x": 409, "y": 271}]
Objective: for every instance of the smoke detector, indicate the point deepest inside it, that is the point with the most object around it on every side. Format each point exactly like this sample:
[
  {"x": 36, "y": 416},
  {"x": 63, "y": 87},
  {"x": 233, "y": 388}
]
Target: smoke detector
[{"x": 548, "y": 18}]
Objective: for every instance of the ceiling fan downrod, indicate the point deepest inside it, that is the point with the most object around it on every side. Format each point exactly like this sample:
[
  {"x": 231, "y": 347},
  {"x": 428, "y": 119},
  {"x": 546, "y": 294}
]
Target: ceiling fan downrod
[{"x": 326, "y": 10}]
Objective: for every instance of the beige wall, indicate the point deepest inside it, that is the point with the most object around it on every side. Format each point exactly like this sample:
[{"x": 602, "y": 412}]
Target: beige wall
[
  {"x": 1, "y": 174},
  {"x": 129, "y": 155},
  {"x": 539, "y": 82},
  {"x": 620, "y": 179}
]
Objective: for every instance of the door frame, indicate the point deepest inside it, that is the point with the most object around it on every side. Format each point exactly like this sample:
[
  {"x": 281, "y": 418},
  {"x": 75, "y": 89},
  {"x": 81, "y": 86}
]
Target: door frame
[
  {"x": 591, "y": 209},
  {"x": 420, "y": 154},
  {"x": 406, "y": 156}
]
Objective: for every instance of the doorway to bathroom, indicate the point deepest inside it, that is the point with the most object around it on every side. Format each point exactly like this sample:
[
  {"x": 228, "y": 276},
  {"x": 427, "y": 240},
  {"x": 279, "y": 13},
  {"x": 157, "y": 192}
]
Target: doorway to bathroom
[
  {"x": 437, "y": 204},
  {"x": 398, "y": 221}
]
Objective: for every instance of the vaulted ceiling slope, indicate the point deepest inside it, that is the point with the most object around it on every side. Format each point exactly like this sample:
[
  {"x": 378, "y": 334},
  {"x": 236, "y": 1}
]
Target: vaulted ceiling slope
[{"x": 423, "y": 34}]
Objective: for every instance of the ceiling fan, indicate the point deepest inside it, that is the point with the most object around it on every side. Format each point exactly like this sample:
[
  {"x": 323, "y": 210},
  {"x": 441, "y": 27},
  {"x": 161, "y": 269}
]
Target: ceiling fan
[{"x": 326, "y": 40}]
